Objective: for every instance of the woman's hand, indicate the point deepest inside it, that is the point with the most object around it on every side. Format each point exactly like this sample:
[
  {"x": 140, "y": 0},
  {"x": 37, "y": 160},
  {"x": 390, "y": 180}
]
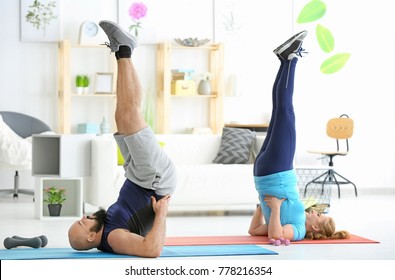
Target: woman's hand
[
  {"x": 273, "y": 202},
  {"x": 276, "y": 229}
]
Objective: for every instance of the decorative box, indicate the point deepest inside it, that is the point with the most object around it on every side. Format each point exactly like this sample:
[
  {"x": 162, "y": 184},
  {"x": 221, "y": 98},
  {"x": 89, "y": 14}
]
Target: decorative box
[
  {"x": 181, "y": 74},
  {"x": 183, "y": 87},
  {"x": 90, "y": 128}
]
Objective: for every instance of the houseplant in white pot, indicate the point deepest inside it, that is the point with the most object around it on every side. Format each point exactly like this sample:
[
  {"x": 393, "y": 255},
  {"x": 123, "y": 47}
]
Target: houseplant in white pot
[
  {"x": 85, "y": 84},
  {"x": 79, "y": 83}
]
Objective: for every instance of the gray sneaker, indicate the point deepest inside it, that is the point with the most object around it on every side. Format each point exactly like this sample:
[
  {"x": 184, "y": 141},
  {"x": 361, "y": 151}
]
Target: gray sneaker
[
  {"x": 292, "y": 45},
  {"x": 117, "y": 36}
]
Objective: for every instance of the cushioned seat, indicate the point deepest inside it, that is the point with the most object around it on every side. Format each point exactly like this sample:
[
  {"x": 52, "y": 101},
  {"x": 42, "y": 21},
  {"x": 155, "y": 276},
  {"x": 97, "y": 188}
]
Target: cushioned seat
[
  {"x": 340, "y": 129},
  {"x": 15, "y": 150}
]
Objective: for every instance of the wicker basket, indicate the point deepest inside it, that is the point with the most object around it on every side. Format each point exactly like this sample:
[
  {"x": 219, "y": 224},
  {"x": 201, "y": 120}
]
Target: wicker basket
[{"x": 315, "y": 197}]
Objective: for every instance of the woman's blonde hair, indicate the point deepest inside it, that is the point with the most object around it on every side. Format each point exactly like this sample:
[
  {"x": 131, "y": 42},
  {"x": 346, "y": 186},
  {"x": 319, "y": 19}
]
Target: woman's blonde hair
[{"x": 327, "y": 231}]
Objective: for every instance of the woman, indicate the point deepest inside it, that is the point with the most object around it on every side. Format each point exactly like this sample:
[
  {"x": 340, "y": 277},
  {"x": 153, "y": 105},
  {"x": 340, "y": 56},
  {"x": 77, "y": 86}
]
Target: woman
[{"x": 274, "y": 176}]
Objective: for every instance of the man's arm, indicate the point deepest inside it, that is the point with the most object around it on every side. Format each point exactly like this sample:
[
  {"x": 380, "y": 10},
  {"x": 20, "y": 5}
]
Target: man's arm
[{"x": 127, "y": 243}]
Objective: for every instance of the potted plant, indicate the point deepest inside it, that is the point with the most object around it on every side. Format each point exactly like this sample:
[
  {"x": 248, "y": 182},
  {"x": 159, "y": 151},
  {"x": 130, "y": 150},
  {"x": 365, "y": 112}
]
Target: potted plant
[
  {"x": 55, "y": 198},
  {"x": 85, "y": 84},
  {"x": 79, "y": 83}
]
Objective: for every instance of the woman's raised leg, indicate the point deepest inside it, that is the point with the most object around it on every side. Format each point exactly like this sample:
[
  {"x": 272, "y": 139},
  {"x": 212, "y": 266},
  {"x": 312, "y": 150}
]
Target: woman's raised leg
[{"x": 278, "y": 149}]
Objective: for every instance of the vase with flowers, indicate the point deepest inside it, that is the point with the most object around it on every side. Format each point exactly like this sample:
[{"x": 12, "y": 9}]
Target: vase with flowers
[
  {"x": 204, "y": 87},
  {"x": 55, "y": 198},
  {"x": 137, "y": 11}
]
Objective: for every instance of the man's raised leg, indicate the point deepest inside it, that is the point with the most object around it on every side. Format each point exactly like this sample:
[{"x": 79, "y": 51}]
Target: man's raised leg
[
  {"x": 128, "y": 115},
  {"x": 146, "y": 164}
]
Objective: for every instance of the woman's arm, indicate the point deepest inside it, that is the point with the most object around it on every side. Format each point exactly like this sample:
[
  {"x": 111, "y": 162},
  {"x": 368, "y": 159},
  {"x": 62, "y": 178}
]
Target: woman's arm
[
  {"x": 275, "y": 229},
  {"x": 258, "y": 225}
]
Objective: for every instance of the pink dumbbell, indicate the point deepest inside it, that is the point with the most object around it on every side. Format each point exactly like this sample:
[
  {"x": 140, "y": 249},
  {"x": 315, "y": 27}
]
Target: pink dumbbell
[
  {"x": 278, "y": 242},
  {"x": 284, "y": 241}
]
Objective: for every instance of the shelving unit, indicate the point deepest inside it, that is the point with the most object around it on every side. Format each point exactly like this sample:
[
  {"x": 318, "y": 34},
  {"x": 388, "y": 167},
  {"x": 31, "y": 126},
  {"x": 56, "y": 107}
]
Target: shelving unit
[
  {"x": 61, "y": 161},
  {"x": 72, "y": 208},
  {"x": 83, "y": 59},
  {"x": 215, "y": 65},
  {"x": 56, "y": 155}
]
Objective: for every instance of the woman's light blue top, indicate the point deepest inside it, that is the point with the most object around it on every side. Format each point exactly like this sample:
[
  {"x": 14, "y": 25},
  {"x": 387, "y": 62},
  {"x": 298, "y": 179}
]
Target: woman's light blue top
[{"x": 283, "y": 185}]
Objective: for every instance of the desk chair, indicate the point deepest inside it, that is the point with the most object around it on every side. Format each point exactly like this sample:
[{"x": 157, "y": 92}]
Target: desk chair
[
  {"x": 24, "y": 126},
  {"x": 341, "y": 129}
]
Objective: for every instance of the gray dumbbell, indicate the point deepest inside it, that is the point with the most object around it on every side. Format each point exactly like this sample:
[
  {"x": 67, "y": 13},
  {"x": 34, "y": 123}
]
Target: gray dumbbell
[
  {"x": 44, "y": 239},
  {"x": 34, "y": 242}
]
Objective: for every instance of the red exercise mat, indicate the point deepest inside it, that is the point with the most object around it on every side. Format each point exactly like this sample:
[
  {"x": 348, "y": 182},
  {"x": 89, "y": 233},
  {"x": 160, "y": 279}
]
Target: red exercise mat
[{"x": 246, "y": 239}]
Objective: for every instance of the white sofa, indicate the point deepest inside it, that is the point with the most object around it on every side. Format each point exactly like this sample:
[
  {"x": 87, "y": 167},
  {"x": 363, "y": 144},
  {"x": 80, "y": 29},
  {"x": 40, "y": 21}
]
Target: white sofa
[{"x": 202, "y": 185}]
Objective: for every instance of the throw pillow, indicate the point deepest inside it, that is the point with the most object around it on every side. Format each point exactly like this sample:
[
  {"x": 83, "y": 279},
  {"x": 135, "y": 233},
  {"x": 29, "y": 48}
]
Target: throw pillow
[
  {"x": 121, "y": 160},
  {"x": 161, "y": 144},
  {"x": 236, "y": 144}
]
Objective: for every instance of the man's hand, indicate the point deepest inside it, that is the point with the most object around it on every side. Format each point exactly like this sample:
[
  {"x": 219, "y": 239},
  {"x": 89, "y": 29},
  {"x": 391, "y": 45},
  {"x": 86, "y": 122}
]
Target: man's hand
[
  {"x": 273, "y": 202},
  {"x": 161, "y": 206},
  {"x": 124, "y": 242}
]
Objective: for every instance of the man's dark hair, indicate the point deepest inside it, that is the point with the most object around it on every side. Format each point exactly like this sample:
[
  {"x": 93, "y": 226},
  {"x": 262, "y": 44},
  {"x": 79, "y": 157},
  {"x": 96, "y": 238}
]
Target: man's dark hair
[{"x": 100, "y": 217}]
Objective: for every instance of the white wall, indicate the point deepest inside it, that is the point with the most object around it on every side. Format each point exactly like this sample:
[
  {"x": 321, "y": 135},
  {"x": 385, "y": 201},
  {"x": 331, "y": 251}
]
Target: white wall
[{"x": 364, "y": 88}]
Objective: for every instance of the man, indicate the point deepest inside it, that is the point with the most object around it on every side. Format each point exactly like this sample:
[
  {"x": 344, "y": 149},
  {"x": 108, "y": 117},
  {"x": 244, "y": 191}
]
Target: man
[{"x": 136, "y": 223}]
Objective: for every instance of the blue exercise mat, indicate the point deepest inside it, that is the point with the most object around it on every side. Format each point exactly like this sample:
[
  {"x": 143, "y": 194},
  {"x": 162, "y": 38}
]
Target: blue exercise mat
[{"x": 168, "y": 251}]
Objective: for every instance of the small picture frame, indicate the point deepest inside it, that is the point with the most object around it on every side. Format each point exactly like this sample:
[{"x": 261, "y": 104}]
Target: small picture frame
[{"x": 104, "y": 83}]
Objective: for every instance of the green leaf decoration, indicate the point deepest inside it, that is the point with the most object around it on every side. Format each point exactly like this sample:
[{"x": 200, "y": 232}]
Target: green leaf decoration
[
  {"x": 334, "y": 63},
  {"x": 325, "y": 38},
  {"x": 312, "y": 11}
]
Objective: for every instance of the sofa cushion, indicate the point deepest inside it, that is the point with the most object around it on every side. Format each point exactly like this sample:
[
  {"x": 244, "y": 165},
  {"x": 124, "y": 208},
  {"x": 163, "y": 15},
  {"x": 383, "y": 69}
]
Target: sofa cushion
[
  {"x": 121, "y": 159},
  {"x": 214, "y": 184},
  {"x": 190, "y": 148},
  {"x": 236, "y": 144}
]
